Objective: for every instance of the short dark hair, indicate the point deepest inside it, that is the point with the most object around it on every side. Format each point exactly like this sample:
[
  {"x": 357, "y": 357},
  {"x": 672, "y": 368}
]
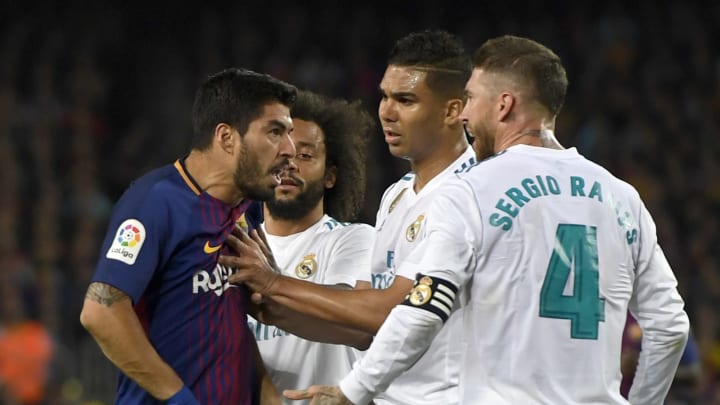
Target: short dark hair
[
  {"x": 529, "y": 62},
  {"x": 234, "y": 96},
  {"x": 441, "y": 54},
  {"x": 347, "y": 127}
]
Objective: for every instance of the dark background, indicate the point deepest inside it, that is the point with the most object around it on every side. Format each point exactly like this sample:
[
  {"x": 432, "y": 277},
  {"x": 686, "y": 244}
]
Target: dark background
[{"x": 93, "y": 95}]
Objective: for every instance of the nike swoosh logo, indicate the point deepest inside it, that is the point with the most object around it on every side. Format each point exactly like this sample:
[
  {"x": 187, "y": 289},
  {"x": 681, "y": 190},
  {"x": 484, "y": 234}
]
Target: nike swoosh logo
[{"x": 211, "y": 249}]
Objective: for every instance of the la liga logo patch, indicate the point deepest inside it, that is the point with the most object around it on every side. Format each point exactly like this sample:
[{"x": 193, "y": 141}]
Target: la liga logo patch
[{"x": 128, "y": 241}]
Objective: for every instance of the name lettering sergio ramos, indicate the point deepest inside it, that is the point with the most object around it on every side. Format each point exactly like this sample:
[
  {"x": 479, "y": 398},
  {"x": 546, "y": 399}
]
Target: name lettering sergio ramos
[{"x": 544, "y": 185}]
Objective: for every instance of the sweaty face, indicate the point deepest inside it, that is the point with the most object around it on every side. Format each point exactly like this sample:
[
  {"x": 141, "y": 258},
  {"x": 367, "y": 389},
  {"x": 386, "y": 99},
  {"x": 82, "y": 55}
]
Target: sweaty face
[
  {"x": 410, "y": 113},
  {"x": 263, "y": 152},
  {"x": 477, "y": 113},
  {"x": 303, "y": 186}
]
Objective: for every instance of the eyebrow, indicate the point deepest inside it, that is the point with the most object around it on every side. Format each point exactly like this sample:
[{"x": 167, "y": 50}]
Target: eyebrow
[
  {"x": 278, "y": 123},
  {"x": 304, "y": 144},
  {"x": 398, "y": 94}
]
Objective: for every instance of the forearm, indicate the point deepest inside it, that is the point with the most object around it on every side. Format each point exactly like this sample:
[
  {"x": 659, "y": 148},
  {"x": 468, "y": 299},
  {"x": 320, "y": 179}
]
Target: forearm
[
  {"x": 317, "y": 330},
  {"x": 365, "y": 310},
  {"x": 404, "y": 337},
  {"x": 659, "y": 310},
  {"x": 122, "y": 339}
]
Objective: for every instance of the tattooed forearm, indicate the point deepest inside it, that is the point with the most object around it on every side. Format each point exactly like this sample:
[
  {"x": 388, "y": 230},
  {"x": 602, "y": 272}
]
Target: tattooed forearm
[{"x": 105, "y": 294}]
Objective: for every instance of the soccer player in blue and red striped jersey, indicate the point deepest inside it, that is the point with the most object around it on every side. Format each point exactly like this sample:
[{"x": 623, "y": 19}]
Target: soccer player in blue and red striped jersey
[{"x": 159, "y": 304}]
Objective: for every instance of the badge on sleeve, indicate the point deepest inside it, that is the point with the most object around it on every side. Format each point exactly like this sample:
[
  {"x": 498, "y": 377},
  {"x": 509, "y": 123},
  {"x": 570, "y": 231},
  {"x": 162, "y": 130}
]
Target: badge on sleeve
[
  {"x": 128, "y": 241},
  {"x": 432, "y": 294},
  {"x": 422, "y": 292},
  {"x": 414, "y": 229},
  {"x": 306, "y": 267}
]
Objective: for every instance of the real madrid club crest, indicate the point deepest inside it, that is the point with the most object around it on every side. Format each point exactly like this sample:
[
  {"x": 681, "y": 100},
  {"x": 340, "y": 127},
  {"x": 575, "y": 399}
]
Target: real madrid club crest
[
  {"x": 414, "y": 229},
  {"x": 306, "y": 267},
  {"x": 421, "y": 292}
]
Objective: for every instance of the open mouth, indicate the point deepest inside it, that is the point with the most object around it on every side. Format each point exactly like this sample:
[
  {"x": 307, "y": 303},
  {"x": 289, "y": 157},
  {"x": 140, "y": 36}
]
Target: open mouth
[{"x": 276, "y": 174}]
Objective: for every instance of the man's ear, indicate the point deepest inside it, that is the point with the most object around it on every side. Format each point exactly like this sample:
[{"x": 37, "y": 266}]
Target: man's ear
[
  {"x": 223, "y": 136},
  {"x": 453, "y": 109},
  {"x": 330, "y": 176},
  {"x": 506, "y": 104}
]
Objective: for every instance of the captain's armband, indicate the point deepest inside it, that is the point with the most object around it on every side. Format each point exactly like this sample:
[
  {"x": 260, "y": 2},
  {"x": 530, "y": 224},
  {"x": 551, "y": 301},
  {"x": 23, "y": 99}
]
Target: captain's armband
[{"x": 432, "y": 294}]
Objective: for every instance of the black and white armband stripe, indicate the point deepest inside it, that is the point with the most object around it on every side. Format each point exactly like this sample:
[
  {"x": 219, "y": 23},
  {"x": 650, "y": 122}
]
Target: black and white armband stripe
[{"x": 432, "y": 294}]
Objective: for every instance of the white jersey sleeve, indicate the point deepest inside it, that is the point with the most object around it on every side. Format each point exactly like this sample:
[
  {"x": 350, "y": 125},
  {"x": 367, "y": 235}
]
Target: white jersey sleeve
[
  {"x": 350, "y": 261},
  {"x": 658, "y": 308},
  {"x": 440, "y": 263},
  {"x": 448, "y": 249}
]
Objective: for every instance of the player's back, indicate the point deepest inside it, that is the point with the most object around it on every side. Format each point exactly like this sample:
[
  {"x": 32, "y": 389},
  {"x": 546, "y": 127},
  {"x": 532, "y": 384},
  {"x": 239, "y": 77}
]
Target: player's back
[{"x": 556, "y": 265}]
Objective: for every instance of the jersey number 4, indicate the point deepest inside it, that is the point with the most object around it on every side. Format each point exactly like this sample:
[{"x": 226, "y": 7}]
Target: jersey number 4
[{"x": 575, "y": 251}]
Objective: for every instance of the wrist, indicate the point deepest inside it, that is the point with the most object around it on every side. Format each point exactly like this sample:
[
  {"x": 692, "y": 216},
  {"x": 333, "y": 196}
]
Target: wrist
[{"x": 182, "y": 397}]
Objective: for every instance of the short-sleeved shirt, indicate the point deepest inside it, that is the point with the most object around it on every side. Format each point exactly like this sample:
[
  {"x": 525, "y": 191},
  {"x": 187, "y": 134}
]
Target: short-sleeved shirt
[
  {"x": 331, "y": 253},
  {"x": 162, "y": 247}
]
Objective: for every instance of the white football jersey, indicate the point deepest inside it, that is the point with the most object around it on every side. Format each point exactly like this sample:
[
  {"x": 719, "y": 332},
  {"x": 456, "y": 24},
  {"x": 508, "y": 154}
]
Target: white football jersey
[
  {"x": 562, "y": 249},
  {"x": 400, "y": 229},
  {"x": 329, "y": 252}
]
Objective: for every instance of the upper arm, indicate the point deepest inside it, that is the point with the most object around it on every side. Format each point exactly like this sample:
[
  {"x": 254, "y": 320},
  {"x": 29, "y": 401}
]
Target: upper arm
[
  {"x": 132, "y": 249},
  {"x": 104, "y": 303},
  {"x": 452, "y": 230},
  {"x": 655, "y": 302}
]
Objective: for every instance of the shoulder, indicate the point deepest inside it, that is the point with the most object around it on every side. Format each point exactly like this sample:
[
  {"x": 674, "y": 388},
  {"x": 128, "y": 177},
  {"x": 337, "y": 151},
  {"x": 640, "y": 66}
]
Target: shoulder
[
  {"x": 331, "y": 225},
  {"x": 394, "y": 189},
  {"x": 157, "y": 185}
]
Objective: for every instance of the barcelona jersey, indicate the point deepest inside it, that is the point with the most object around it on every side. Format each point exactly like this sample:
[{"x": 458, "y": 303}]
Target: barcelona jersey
[{"x": 161, "y": 249}]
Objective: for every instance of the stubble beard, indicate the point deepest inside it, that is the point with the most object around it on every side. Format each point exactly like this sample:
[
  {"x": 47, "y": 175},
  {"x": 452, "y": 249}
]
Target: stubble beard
[
  {"x": 249, "y": 175},
  {"x": 301, "y": 205}
]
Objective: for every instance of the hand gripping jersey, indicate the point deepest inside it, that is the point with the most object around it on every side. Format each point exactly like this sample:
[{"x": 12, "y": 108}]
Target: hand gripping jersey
[
  {"x": 164, "y": 239},
  {"x": 562, "y": 249},
  {"x": 400, "y": 228},
  {"x": 331, "y": 253}
]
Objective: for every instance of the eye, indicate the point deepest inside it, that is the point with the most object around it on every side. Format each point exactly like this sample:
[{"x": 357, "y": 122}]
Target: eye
[
  {"x": 304, "y": 156},
  {"x": 276, "y": 131},
  {"x": 405, "y": 101}
]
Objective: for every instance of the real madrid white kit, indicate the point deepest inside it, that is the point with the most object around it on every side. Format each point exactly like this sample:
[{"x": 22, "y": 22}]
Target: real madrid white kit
[
  {"x": 400, "y": 230},
  {"x": 331, "y": 253},
  {"x": 545, "y": 252}
]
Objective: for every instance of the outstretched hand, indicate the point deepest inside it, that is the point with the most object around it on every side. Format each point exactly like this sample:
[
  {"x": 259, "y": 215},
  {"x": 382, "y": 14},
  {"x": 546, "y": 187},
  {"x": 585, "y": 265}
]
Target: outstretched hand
[
  {"x": 320, "y": 395},
  {"x": 255, "y": 263}
]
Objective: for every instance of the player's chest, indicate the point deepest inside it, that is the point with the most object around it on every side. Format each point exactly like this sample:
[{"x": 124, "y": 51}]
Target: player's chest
[
  {"x": 401, "y": 233},
  {"x": 305, "y": 260}
]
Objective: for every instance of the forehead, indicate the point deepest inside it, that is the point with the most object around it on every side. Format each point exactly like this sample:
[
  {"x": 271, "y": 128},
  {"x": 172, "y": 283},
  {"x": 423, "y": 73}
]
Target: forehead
[
  {"x": 476, "y": 78},
  {"x": 275, "y": 112},
  {"x": 403, "y": 79},
  {"x": 307, "y": 132}
]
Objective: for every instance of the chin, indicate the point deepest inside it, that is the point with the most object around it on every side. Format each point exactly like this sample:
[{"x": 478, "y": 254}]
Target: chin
[{"x": 258, "y": 193}]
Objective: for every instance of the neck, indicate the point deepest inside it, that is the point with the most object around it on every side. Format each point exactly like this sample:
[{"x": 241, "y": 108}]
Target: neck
[
  {"x": 535, "y": 132},
  {"x": 426, "y": 169},
  {"x": 212, "y": 177},
  {"x": 285, "y": 227}
]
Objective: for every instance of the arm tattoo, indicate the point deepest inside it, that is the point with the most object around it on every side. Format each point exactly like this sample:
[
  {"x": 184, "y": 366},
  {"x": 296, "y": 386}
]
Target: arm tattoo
[{"x": 105, "y": 294}]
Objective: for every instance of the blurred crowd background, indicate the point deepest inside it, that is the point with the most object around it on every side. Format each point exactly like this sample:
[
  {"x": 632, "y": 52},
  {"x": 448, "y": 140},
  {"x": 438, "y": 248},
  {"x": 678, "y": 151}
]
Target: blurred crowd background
[{"x": 93, "y": 95}]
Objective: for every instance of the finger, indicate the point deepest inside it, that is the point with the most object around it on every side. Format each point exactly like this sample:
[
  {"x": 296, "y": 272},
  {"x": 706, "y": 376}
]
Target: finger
[
  {"x": 297, "y": 394},
  {"x": 237, "y": 230},
  {"x": 237, "y": 262},
  {"x": 257, "y": 298},
  {"x": 263, "y": 237},
  {"x": 264, "y": 247},
  {"x": 247, "y": 239},
  {"x": 237, "y": 244}
]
